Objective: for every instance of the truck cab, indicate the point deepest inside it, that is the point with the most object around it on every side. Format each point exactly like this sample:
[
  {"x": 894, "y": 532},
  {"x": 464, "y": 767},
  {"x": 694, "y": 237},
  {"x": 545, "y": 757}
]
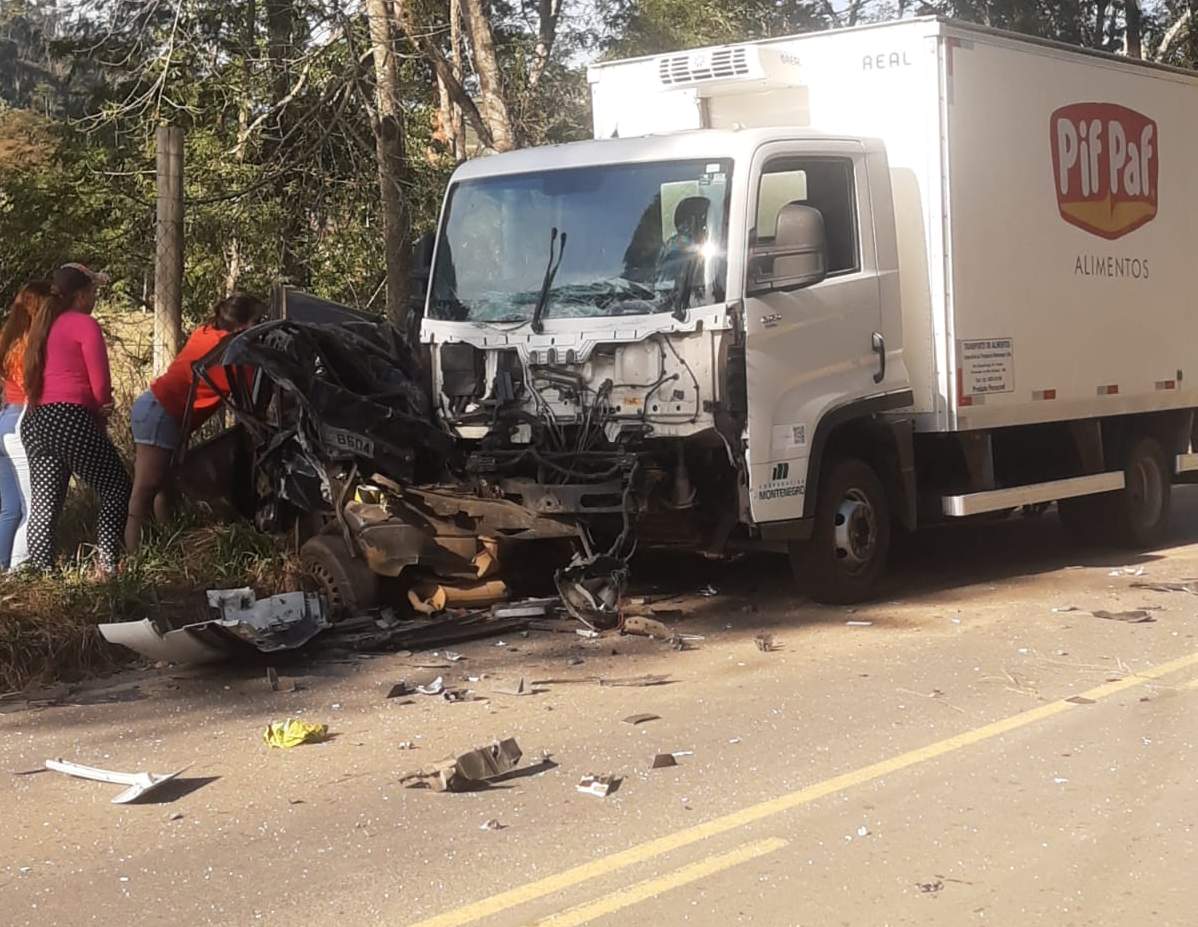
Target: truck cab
[{"x": 669, "y": 329}]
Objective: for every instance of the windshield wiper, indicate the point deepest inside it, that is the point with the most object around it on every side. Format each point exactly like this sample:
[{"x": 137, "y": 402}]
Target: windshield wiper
[{"x": 550, "y": 272}]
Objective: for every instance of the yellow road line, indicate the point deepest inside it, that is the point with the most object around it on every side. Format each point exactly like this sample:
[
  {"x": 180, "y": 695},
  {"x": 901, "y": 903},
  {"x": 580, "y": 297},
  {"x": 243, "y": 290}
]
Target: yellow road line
[
  {"x": 531, "y": 891},
  {"x": 650, "y": 888}
]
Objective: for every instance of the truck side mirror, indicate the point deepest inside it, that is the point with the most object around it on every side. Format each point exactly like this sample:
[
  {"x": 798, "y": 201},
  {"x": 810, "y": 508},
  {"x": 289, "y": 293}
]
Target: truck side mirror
[{"x": 796, "y": 257}]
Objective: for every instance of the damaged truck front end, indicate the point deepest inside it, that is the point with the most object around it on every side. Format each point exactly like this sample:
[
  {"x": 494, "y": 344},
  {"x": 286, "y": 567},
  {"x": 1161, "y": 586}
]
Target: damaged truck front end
[{"x": 583, "y": 353}]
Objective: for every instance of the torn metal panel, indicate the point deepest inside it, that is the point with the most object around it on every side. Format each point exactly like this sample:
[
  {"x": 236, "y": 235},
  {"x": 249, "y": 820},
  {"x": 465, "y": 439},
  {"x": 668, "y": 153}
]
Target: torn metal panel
[
  {"x": 281, "y": 622},
  {"x": 466, "y": 770},
  {"x": 139, "y": 784},
  {"x": 591, "y": 589},
  {"x": 173, "y": 647}
]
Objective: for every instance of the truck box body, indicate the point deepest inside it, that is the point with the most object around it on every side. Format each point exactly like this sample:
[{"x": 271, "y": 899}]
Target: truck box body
[{"x": 1044, "y": 202}]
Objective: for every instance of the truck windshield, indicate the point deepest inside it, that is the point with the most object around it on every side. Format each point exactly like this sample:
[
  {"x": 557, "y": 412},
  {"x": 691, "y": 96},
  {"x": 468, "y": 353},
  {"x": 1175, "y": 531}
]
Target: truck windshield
[{"x": 640, "y": 238}]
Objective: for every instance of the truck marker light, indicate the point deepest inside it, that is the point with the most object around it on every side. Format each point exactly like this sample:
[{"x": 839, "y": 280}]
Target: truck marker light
[
  {"x": 1111, "y": 389},
  {"x": 1166, "y": 384},
  {"x": 1044, "y": 394}
]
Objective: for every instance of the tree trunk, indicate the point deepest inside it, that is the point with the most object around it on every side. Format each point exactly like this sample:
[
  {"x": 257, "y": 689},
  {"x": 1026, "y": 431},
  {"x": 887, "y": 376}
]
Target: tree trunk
[
  {"x": 389, "y": 153},
  {"x": 490, "y": 79},
  {"x": 168, "y": 260},
  {"x": 1133, "y": 42},
  {"x": 280, "y": 27},
  {"x": 549, "y": 12},
  {"x": 455, "y": 65}
]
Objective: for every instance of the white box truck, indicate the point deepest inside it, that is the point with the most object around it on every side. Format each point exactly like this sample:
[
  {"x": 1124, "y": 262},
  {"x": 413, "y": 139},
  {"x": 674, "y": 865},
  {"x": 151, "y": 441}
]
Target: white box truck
[{"x": 809, "y": 290}]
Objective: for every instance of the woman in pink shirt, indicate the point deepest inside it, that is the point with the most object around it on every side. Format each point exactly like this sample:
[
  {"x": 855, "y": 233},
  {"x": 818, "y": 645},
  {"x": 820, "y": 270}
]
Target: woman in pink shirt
[{"x": 69, "y": 398}]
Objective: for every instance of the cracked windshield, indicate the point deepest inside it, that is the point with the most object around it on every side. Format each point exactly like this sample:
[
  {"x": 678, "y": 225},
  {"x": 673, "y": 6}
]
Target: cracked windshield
[{"x": 631, "y": 240}]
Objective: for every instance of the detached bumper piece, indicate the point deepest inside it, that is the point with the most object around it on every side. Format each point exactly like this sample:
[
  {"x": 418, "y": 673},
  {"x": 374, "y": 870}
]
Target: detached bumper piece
[{"x": 242, "y": 624}]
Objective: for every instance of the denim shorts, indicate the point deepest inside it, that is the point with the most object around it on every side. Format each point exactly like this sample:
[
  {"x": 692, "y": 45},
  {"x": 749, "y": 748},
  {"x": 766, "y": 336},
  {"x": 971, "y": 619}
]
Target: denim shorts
[{"x": 152, "y": 424}]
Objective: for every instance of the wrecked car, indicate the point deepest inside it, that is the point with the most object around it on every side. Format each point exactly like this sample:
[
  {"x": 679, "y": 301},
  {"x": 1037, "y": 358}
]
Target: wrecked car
[{"x": 343, "y": 447}]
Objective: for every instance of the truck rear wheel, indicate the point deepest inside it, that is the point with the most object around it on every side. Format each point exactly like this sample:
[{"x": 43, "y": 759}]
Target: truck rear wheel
[
  {"x": 1139, "y": 515},
  {"x": 847, "y": 553},
  {"x": 346, "y": 582}
]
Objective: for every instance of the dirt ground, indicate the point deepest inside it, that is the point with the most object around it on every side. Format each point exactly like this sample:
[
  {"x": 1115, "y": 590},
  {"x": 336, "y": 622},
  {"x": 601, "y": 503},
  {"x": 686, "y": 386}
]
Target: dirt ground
[{"x": 910, "y": 762}]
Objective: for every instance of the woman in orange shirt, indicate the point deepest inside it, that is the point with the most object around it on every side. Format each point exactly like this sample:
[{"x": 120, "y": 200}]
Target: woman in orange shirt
[
  {"x": 14, "y": 462},
  {"x": 157, "y": 415}
]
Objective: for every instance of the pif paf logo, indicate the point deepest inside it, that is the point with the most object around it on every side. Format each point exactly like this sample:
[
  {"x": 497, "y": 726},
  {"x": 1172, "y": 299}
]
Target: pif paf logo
[{"x": 1104, "y": 162}]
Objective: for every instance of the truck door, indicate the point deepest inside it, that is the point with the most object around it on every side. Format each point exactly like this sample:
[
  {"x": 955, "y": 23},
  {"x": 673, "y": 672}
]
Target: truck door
[{"x": 809, "y": 348}]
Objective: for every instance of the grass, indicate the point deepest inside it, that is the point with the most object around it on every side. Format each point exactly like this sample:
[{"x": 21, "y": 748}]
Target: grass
[{"x": 48, "y": 623}]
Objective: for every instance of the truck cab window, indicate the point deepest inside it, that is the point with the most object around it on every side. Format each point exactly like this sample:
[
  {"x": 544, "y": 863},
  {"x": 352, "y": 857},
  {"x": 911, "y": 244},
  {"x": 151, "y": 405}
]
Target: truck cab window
[{"x": 823, "y": 183}]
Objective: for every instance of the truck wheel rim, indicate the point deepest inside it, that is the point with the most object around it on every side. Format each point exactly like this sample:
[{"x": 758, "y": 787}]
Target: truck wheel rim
[
  {"x": 856, "y": 531},
  {"x": 1145, "y": 490}
]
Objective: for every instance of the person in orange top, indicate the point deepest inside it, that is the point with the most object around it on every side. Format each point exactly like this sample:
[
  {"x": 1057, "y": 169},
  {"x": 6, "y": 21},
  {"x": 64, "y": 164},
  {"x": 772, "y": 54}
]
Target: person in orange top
[
  {"x": 14, "y": 462},
  {"x": 158, "y": 414}
]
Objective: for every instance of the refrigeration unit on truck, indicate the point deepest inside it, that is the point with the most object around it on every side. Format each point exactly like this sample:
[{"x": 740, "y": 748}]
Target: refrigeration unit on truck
[{"x": 809, "y": 290}]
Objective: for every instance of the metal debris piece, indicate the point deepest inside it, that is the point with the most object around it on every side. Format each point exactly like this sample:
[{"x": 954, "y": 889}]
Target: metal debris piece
[
  {"x": 520, "y": 688},
  {"x": 764, "y": 642},
  {"x": 663, "y": 760},
  {"x": 405, "y": 745},
  {"x": 1127, "y": 571},
  {"x": 527, "y": 608},
  {"x": 930, "y": 888},
  {"x": 456, "y": 695},
  {"x": 646, "y": 627},
  {"x": 1080, "y": 700},
  {"x": 599, "y": 786},
  {"x": 139, "y": 785},
  {"x": 492, "y": 824},
  {"x": 587, "y": 633},
  {"x": 641, "y": 718},
  {"x": 281, "y": 622},
  {"x": 400, "y": 689},
  {"x": 862, "y": 831},
  {"x": 272, "y": 678},
  {"x": 634, "y": 681},
  {"x": 859, "y": 624},
  {"x": 436, "y": 687},
  {"x": 1135, "y": 616},
  {"x": 462, "y": 772},
  {"x": 709, "y": 591},
  {"x": 1191, "y": 587},
  {"x": 591, "y": 589},
  {"x": 1059, "y": 610},
  {"x": 453, "y": 656}
]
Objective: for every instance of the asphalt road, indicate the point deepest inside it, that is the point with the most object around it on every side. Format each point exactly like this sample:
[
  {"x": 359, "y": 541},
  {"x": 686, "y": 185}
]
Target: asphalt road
[{"x": 964, "y": 755}]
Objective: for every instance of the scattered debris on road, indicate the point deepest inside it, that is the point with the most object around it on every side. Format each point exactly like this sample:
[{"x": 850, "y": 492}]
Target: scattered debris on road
[
  {"x": 520, "y": 687},
  {"x": 293, "y": 732},
  {"x": 492, "y": 824},
  {"x": 663, "y": 760},
  {"x": 930, "y": 888},
  {"x": 859, "y": 624},
  {"x": 599, "y": 786},
  {"x": 641, "y": 718},
  {"x": 138, "y": 785},
  {"x": 436, "y": 687},
  {"x": 649, "y": 679},
  {"x": 1128, "y": 571},
  {"x": 466, "y": 771},
  {"x": 1080, "y": 700},
  {"x": 765, "y": 643}
]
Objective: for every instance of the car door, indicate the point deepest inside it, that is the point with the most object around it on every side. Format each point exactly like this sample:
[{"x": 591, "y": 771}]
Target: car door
[{"x": 808, "y": 349}]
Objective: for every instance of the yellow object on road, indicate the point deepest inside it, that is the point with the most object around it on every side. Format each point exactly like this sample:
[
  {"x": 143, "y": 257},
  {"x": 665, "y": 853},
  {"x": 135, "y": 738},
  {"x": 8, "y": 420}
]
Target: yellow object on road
[{"x": 293, "y": 732}]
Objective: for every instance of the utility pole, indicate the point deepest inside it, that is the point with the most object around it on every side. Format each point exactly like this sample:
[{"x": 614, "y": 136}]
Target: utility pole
[{"x": 168, "y": 259}]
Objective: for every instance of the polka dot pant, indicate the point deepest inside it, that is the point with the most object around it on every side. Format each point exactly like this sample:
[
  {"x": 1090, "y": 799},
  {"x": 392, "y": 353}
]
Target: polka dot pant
[{"x": 63, "y": 439}]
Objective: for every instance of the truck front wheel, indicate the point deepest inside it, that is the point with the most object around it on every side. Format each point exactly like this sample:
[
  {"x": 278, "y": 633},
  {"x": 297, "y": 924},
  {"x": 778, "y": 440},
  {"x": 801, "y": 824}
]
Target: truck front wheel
[{"x": 847, "y": 553}]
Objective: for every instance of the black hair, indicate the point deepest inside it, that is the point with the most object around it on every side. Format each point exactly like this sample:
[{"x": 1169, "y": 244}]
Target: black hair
[{"x": 237, "y": 311}]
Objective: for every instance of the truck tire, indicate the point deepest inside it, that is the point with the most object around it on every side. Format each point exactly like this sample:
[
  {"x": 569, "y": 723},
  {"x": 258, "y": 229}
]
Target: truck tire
[
  {"x": 1139, "y": 515},
  {"x": 847, "y": 553},
  {"x": 346, "y": 582}
]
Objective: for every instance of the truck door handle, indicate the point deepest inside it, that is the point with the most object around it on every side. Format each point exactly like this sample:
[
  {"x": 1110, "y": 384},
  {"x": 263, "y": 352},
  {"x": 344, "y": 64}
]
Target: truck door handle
[{"x": 879, "y": 344}]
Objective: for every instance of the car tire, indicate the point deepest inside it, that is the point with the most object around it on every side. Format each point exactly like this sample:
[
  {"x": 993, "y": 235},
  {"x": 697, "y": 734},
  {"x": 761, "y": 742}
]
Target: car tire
[
  {"x": 847, "y": 553},
  {"x": 347, "y": 583}
]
